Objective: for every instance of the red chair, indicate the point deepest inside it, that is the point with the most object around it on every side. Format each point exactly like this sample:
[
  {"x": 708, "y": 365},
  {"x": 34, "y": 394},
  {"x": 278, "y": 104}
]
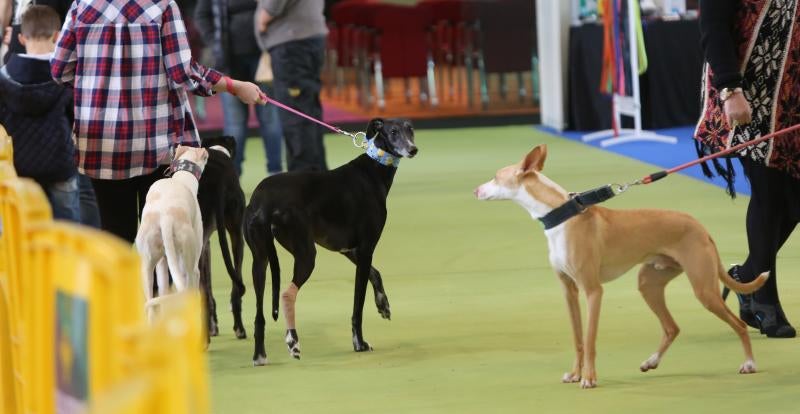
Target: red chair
[
  {"x": 505, "y": 34},
  {"x": 448, "y": 48},
  {"x": 403, "y": 49},
  {"x": 346, "y": 17}
]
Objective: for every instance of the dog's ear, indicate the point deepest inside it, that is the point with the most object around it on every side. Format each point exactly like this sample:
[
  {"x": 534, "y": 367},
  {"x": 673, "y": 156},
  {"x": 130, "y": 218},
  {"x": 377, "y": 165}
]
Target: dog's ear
[
  {"x": 374, "y": 126},
  {"x": 534, "y": 161}
]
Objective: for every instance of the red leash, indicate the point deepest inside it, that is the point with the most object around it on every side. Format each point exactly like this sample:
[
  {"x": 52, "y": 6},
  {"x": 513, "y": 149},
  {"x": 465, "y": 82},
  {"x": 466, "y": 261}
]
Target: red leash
[{"x": 661, "y": 174}]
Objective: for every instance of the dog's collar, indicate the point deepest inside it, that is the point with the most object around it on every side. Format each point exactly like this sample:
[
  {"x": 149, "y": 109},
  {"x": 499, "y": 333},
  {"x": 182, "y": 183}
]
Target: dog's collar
[
  {"x": 221, "y": 149},
  {"x": 577, "y": 204},
  {"x": 185, "y": 165},
  {"x": 381, "y": 156}
]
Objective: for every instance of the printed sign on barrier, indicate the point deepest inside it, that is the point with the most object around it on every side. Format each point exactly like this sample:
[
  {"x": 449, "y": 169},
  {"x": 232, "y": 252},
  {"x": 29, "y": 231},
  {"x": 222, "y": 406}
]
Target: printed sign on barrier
[{"x": 71, "y": 353}]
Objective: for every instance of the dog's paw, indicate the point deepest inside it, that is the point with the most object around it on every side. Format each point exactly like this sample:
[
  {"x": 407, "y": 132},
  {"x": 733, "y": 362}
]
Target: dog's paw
[
  {"x": 293, "y": 343},
  {"x": 382, "y": 302},
  {"x": 260, "y": 360},
  {"x": 570, "y": 377},
  {"x": 240, "y": 333},
  {"x": 749, "y": 367},
  {"x": 588, "y": 383},
  {"x": 213, "y": 329},
  {"x": 361, "y": 345},
  {"x": 650, "y": 363}
]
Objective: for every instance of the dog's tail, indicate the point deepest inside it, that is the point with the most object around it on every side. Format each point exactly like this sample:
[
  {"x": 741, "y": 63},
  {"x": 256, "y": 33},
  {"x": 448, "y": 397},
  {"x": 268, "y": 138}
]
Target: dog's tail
[
  {"x": 275, "y": 269},
  {"x": 258, "y": 234},
  {"x": 223, "y": 238},
  {"x": 173, "y": 261},
  {"x": 739, "y": 287}
]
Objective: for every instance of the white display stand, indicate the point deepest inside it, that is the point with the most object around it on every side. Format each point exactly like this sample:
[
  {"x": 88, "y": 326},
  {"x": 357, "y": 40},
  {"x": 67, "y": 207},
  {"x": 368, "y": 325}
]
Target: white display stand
[{"x": 630, "y": 106}]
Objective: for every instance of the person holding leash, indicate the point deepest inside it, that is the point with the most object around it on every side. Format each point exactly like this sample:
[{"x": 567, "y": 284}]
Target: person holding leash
[
  {"x": 131, "y": 65},
  {"x": 752, "y": 88}
]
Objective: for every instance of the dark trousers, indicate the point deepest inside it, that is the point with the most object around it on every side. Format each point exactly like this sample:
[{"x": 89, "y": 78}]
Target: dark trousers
[
  {"x": 772, "y": 215},
  {"x": 296, "y": 67},
  {"x": 121, "y": 202}
]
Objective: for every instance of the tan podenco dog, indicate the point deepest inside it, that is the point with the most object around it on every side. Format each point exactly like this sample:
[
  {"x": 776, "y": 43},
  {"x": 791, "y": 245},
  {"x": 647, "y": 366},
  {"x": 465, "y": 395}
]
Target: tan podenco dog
[
  {"x": 170, "y": 236},
  {"x": 599, "y": 245}
]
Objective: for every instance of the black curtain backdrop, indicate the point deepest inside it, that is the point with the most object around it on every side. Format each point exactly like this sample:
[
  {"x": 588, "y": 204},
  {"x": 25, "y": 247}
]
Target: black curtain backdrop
[{"x": 670, "y": 89}]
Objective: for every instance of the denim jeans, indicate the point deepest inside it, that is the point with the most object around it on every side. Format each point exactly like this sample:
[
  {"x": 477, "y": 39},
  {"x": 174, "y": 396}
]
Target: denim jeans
[
  {"x": 237, "y": 114},
  {"x": 297, "y": 66},
  {"x": 64, "y": 199},
  {"x": 90, "y": 214}
]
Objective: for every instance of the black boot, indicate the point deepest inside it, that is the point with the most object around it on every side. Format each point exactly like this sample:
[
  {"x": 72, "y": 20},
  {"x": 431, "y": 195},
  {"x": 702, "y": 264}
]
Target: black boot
[
  {"x": 772, "y": 320},
  {"x": 745, "y": 301}
]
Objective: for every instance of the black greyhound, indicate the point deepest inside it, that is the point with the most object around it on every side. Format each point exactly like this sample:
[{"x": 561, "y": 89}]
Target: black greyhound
[
  {"x": 343, "y": 210},
  {"x": 222, "y": 205}
]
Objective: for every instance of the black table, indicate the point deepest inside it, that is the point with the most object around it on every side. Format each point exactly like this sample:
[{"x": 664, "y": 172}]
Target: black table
[{"x": 670, "y": 89}]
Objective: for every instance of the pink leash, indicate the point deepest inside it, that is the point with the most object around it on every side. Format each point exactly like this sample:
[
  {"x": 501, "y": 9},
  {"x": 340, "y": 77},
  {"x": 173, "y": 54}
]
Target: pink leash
[{"x": 355, "y": 136}]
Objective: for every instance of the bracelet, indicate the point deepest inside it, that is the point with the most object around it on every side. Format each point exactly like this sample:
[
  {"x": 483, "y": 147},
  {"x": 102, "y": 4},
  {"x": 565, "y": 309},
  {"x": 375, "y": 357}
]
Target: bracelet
[{"x": 229, "y": 86}]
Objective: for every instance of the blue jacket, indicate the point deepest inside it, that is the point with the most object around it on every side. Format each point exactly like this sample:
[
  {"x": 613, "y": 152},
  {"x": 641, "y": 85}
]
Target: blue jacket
[{"x": 37, "y": 113}]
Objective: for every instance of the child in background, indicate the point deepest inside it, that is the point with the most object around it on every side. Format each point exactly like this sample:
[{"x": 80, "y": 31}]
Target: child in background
[{"x": 37, "y": 113}]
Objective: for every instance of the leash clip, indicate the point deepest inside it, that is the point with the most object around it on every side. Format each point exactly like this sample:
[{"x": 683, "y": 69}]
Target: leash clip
[
  {"x": 621, "y": 188},
  {"x": 359, "y": 138}
]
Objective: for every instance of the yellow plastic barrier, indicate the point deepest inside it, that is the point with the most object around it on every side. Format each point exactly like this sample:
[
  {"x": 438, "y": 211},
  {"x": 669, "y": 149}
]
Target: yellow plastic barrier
[
  {"x": 72, "y": 331},
  {"x": 23, "y": 210},
  {"x": 171, "y": 364}
]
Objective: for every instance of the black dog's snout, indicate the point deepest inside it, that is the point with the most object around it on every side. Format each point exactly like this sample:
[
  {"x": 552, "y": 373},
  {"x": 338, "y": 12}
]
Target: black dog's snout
[{"x": 413, "y": 151}]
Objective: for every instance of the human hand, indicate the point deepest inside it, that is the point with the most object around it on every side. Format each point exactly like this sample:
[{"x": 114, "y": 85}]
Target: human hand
[
  {"x": 262, "y": 20},
  {"x": 737, "y": 110},
  {"x": 7, "y": 36},
  {"x": 249, "y": 93}
]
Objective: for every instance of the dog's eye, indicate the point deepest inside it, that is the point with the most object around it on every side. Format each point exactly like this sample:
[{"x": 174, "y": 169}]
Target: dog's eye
[{"x": 394, "y": 132}]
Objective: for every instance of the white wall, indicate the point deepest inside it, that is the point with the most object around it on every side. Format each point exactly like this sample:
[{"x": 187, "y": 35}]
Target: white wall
[{"x": 553, "y": 18}]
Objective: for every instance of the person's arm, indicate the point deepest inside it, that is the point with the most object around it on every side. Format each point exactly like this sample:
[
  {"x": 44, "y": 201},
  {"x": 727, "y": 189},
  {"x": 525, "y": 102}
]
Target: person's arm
[
  {"x": 65, "y": 57},
  {"x": 274, "y": 8},
  {"x": 184, "y": 71},
  {"x": 717, "y": 38},
  {"x": 5, "y": 13},
  {"x": 204, "y": 20}
]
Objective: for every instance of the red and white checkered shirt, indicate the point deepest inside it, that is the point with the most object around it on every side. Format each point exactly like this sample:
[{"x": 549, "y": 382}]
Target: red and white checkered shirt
[{"x": 130, "y": 64}]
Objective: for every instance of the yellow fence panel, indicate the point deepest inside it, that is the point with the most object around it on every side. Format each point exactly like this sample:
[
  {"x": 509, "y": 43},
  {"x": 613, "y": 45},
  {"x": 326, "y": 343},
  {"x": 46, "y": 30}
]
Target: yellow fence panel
[{"x": 73, "y": 338}]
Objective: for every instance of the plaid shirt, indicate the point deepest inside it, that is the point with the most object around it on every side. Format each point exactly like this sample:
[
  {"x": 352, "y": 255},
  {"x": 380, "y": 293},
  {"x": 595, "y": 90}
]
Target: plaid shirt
[{"x": 131, "y": 65}]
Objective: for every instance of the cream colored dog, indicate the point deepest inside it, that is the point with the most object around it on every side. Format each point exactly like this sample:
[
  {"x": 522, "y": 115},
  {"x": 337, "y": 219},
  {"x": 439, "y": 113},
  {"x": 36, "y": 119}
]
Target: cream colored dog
[
  {"x": 599, "y": 245},
  {"x": 170, "y": 236}
]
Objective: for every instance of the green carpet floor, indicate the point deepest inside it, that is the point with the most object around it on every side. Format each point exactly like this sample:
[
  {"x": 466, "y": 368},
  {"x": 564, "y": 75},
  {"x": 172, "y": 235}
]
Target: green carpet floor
[{"x": 479, "y": 323}]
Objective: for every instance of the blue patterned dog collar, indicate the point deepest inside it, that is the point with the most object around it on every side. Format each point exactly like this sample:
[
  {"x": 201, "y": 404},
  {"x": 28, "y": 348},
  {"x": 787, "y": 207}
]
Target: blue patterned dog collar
[{"x": 381, "y": 156}]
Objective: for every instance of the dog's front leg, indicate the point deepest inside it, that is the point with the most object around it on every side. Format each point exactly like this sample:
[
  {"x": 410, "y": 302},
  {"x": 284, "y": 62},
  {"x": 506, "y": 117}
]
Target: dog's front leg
[
  {"x": 381, "y": 300},
  {"x": 363, "y": 268},
  {"x": 594, "y": 296},
  {"x": 574, "y": 308}
]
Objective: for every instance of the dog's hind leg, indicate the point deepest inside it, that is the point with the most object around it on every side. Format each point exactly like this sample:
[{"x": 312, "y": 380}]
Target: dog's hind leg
[
  {"x": 162, "y": 276},
  {"x": 208, "y": 295},
  {"x": 703, "y": 278},
  {"x": 148, "y": 267},
  {"x": 234, "y": 227},
  {"x": 255, "y": 235},
  {"x": 652, "y": 282},
  {"x": 381, "y": 299},
  {"x": 305, "y": 253}
]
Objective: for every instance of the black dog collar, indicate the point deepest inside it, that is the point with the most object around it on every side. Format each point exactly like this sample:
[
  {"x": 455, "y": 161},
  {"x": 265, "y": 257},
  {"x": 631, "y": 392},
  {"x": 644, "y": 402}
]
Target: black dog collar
[
  {"x": 577, "y": 204},
  {"x": 185, "y": 165}
]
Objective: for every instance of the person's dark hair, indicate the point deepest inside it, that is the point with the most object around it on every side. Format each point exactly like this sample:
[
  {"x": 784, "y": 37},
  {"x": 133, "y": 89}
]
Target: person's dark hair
[{"x": 39, "y": 22}]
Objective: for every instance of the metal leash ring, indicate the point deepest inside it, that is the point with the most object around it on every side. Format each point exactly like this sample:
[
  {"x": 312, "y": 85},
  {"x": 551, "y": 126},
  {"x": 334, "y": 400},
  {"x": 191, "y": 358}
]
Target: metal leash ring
[{"x": 621, "y": 188}]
